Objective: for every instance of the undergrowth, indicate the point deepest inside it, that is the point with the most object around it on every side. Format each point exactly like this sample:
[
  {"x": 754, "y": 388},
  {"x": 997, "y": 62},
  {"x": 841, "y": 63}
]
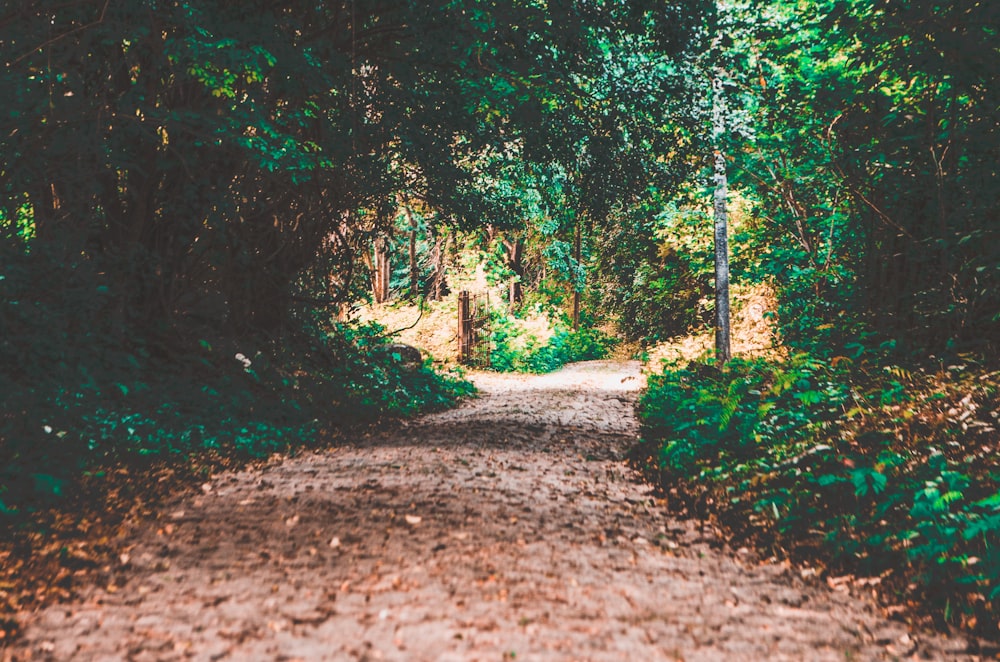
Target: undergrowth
[
  {"x": 514, "y": 350},
  {"x": 878, "y": 470},
  {"x": 83, "y": 388}
]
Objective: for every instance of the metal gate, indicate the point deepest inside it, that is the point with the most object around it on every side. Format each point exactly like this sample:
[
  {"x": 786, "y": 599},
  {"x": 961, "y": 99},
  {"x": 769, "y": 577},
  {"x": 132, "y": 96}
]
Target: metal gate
[{"x": 474, "y": 329}]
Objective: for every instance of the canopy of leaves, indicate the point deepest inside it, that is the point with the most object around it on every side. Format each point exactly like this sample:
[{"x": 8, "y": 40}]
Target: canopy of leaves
[
  {"x": 205, "y": 152},
  {"x": 873, "y": 154}
]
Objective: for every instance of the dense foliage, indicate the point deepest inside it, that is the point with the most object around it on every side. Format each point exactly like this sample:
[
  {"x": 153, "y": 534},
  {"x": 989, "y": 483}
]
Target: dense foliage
[
  {"x": 653, "y": 274},
  {"x": 514, "y": 350},
  {"x": 82, "y": 394},
  {"x": 866, "y": 144},
  {"x": 877, "y": 470},
  {"x": 874, "y": 160},
  {"x": 205, "y": 156}
]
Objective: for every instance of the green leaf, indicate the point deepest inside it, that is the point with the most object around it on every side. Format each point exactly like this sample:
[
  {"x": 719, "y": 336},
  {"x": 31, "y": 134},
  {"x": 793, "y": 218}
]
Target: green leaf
[
  {"x": 866, "y": 479},
  {"x": 990, "y": 502},
  {"x": 810, "y": 397},
  {"x": 830, "y": 479},
  {"x": 48, "y": 485}
]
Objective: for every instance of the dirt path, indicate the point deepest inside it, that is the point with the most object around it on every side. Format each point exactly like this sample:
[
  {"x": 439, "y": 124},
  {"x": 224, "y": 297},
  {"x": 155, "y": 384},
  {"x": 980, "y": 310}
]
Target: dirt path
[{"x": 507, "y": 529}]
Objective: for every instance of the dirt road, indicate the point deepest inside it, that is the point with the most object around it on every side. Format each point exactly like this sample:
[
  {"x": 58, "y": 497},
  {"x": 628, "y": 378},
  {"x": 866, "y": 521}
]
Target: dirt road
[{"x": 509, "y": 528}]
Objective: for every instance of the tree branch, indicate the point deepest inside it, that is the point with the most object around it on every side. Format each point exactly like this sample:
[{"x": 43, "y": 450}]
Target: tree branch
[{"x": 62, "y": 36}]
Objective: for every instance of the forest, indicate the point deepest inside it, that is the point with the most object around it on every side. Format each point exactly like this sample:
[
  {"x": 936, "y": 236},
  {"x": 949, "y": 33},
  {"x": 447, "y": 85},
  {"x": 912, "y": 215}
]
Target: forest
[{"x": 196, "y": 196}]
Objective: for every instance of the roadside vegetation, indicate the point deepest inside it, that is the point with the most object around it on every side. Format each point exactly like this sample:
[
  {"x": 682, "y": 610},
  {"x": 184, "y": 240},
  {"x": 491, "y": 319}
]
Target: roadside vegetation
[
  {"x": 882, "y": 475},
  {"x": 867, "y": 443}
]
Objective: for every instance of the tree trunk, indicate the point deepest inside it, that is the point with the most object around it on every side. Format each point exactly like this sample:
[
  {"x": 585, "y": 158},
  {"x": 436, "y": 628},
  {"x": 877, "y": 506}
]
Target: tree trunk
[
  {"x": 438, "y": 286},
  {"x": 722, "y": 344},
  {"x": 414, "y": 270},
  {"x": 515, "y": 253},
  {"x": 577, "y": 255},
  {"x": 382, "y": 271}
]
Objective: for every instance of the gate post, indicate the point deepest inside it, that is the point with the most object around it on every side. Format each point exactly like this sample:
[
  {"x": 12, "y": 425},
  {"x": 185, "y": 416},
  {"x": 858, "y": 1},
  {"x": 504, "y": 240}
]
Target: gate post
[{"x": 464, "y": 337}]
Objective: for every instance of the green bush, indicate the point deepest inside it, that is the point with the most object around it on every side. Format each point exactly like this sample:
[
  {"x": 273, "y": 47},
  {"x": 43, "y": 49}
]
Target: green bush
[
  {"x": 852, "y": 459},
  {"x": 514, "y": 351}
]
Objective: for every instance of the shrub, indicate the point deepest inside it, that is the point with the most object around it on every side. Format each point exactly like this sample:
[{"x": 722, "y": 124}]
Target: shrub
[
  {"x": 879, "y": 470},
  {"x": 514, "y": 351}
]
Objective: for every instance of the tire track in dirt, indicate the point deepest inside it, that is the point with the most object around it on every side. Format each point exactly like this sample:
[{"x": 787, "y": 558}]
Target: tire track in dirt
[{"x": 509, "y": 528}]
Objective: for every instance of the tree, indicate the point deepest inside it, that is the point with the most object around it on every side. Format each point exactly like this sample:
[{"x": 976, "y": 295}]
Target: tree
[
  {"x": 869, "y": 158},
  {"x": 720, "y": 200},
  {"x": 205, "y": 153}
]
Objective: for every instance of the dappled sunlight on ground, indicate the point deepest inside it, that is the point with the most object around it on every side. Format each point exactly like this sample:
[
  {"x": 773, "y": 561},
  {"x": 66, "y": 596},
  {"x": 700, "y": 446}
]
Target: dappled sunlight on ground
[
  {"x": 752, "y": 335},
  {"x": 609, "y": 376}
]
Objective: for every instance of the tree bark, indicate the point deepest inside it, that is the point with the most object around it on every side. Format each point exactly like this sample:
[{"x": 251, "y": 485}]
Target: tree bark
[
  {"x": 414, "y": 270},
  {"x": 438, "y": 285},
  {"x": 577, "y": 255},
  {"x": 382, "y": 272},
  {"x": 722, "y": 343},
  {"x": 515, "y": 253}
]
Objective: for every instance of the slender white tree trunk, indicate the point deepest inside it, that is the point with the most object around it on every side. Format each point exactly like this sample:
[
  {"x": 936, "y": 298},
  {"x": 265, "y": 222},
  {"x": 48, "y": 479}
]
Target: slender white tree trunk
[
  {"x": 578, "y": 256},
  {"x": 722, "y": 344}
]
